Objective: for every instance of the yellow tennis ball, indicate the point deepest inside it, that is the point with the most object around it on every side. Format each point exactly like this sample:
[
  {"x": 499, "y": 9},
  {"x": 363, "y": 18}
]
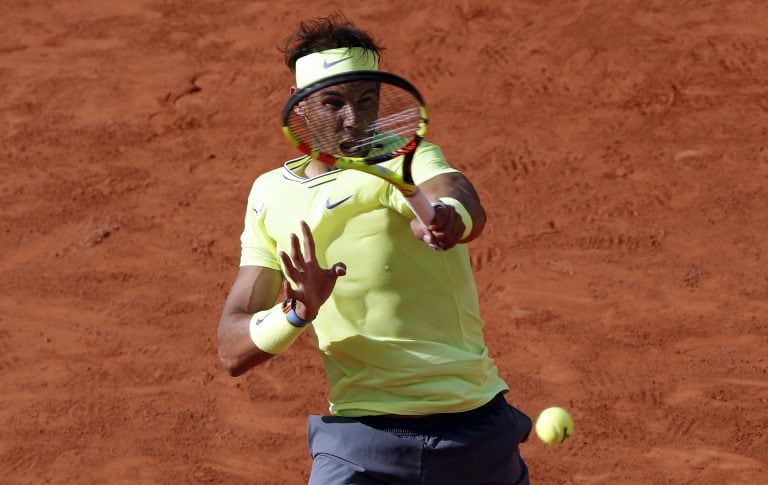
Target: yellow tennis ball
[{"x": 554, "y": 425}]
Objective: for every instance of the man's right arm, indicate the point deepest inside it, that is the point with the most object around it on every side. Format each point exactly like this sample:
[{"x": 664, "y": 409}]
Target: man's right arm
[{"x": 256, "y": 288}]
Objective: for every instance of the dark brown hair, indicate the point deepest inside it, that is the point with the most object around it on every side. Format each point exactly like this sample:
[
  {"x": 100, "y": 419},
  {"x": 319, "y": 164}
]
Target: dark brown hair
[{"x": 325, "y": 33}]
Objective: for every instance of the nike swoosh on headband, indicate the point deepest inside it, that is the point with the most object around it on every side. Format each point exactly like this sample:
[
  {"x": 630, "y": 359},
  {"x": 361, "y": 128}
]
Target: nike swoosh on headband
[
  {"x": 330, "y": 205},
  {"x": 328, "y": 65}
]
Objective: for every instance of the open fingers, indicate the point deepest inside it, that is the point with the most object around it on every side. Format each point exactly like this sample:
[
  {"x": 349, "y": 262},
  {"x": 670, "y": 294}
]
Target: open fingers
[
  {"x": 298, "y": 260},
  {"x": 290, "y": 270},
  {"x": 296, "y": 255},
  {"x": 309, "y": 242}
]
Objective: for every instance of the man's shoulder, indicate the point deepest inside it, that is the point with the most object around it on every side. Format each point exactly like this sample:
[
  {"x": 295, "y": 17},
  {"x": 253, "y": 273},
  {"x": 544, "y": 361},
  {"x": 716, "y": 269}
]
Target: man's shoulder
[
  {"x": 426, "y": 148},
  {"x": 429, "y": 153}
]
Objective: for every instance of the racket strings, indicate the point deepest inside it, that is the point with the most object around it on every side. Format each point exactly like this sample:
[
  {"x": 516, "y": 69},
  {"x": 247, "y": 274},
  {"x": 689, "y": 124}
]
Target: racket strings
[
  {"x": 378, "y": 128},
  {"x": 404, "y": 119},
  {"x": 392, "y": 131}
]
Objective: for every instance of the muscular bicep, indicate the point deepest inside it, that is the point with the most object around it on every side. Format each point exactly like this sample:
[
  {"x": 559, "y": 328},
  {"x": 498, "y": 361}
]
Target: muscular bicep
[{"x": 255, "y": 288}]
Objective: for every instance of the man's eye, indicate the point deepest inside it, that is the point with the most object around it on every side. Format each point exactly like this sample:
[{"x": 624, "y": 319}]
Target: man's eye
[
  {"x": 368, "y": 101},
  {"x": 334, "y": 104}
]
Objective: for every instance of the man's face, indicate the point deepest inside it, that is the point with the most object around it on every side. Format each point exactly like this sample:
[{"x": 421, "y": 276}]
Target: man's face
[{"x": 341, "y": 118}]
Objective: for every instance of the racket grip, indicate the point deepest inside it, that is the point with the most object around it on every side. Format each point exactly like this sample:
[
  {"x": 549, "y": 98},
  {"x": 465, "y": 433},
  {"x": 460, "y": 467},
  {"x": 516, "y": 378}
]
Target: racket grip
[{"x": 421, "y": 206}]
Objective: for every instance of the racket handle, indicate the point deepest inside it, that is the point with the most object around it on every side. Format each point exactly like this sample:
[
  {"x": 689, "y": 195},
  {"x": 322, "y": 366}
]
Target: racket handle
[{"x": 421, "y": 206}]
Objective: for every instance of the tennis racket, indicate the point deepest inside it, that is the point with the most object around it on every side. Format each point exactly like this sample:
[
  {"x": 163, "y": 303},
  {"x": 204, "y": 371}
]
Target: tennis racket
[{"x": 358, "y": 120}]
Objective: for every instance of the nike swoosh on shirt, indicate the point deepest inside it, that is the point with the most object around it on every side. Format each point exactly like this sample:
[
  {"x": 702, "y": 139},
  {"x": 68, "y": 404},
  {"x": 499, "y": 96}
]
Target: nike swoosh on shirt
[
  {"x": 330, "y": 205},
  {"x": 328, "y": 65},
  {"x": 259, "y": 208}
]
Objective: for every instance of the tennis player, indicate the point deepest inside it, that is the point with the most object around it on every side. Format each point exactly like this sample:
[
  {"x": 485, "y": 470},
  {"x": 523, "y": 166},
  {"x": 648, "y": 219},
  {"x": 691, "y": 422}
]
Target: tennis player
[{"x": 414, "y": 395}]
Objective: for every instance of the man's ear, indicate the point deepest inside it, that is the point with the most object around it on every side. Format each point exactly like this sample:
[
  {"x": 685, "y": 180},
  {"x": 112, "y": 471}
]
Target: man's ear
[{"x": 300, "y": 108}]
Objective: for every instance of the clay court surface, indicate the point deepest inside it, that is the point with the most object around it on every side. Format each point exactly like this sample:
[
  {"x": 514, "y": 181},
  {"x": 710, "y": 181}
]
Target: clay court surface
[{"x": 620, "y": 148}]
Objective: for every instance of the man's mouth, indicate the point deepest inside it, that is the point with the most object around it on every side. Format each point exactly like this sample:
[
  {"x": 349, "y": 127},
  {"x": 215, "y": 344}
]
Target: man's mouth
[{"x": 353, "y": 148}]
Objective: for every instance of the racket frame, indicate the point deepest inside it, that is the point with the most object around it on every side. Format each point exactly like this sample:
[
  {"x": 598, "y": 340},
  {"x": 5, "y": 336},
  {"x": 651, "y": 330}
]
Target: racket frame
[{"x": 415, "y": 198}]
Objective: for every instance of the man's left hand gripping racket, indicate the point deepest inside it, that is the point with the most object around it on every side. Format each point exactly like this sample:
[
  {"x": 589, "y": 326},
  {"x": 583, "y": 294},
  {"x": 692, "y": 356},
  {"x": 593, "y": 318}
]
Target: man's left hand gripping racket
[{"x": 356, "y": 121}]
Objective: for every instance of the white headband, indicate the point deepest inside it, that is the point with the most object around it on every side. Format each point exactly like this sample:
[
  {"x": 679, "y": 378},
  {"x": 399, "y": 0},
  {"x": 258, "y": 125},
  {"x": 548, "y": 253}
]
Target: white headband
[{"x": 318, "y": 65}]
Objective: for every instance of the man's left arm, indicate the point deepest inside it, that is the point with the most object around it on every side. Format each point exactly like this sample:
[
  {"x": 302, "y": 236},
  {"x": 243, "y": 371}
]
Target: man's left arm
[{"x": 459, "y": 217}]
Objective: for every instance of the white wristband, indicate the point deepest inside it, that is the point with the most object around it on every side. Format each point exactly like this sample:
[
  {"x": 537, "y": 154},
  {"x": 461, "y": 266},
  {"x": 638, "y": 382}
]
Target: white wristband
[
  {"x": 465, "y": 217},
  {"x": 272, "y": 332}
]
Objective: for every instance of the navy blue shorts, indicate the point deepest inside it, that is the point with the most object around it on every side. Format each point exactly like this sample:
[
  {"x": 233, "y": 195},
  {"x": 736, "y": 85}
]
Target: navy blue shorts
[{"x": 474, "y": 447}]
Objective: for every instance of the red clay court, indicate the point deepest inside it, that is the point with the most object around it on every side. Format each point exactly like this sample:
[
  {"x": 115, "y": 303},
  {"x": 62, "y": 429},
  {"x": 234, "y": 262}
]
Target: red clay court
[{"x": 620, "y": 148}]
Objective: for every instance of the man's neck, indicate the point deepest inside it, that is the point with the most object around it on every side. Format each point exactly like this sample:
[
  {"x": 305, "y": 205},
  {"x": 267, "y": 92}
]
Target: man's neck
[{"x": 315, "y": 168}]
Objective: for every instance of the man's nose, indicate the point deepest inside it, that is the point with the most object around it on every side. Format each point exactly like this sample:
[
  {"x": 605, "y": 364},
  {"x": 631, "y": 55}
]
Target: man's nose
[{"x": 351, "y": 116}]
